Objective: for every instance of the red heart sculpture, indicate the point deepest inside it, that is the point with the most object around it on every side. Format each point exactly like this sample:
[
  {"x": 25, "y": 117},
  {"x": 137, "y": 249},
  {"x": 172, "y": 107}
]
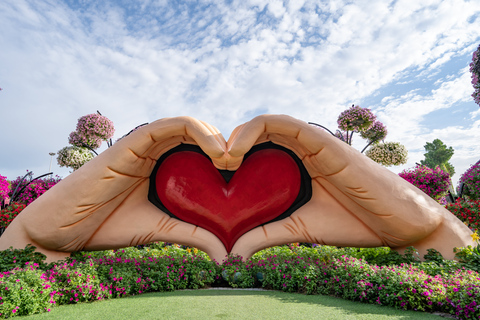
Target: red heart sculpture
[{"x": 191, "y": 188}]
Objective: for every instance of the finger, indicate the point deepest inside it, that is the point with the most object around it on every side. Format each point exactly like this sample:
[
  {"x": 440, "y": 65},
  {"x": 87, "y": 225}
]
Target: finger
[
  {"x": 247, "y": 135},
  {"x": 142, "y": 140}
]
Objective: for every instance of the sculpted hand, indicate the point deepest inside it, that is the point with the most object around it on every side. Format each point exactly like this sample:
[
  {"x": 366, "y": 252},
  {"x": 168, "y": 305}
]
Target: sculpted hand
[
  {"x": 355, "y": 202},
  {"x": 104, "y": 204}
]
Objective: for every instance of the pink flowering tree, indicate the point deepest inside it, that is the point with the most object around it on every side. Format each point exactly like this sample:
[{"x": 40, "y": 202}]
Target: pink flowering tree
[
  {"x": 91, "y": 130},
  {"x": 434, "y": 182},
  {"x": 4, "y": 188},
  {"x": 469, "y": 183},
  {"x": 475, "y": 70},
  {"x": 28, "y": 191},
  {"x": 364, "y": 122}
]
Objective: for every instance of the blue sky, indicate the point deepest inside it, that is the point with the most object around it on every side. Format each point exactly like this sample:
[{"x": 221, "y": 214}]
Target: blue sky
[{"x": 225, "y": 62}]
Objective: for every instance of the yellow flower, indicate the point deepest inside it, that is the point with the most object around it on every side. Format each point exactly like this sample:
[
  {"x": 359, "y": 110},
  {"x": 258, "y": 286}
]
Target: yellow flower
[
  {"x": 189, "y": 250},
  {"x": 475, "y": 236}
]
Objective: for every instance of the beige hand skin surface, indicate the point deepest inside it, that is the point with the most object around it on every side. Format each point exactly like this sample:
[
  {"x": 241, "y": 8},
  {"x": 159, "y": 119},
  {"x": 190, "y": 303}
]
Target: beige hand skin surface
[
  {"x": 356, "y": 202},
  {"x": 104, "y": 204}
]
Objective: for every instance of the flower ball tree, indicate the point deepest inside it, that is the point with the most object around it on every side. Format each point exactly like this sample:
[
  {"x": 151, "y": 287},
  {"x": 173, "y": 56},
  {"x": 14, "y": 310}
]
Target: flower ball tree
[
  {"x": 91, "y": 130},
  {"x": 364, "y": 122},
  {"x": 475, "y": 70}
]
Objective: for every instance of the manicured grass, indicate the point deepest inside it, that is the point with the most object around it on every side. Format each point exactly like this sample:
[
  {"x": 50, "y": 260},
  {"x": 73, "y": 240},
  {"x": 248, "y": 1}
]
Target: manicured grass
[{"x": 228, "y": 304}]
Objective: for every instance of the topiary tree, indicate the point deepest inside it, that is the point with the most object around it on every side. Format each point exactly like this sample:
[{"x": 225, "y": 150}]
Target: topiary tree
[
  {"x": 437, "y": 155},
  {"x": 363, "y": 121},
  {"x": 91, "y": 130}
]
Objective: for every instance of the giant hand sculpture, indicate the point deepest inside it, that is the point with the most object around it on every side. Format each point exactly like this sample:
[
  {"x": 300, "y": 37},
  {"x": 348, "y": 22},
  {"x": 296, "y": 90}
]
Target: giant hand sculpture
[
  {"x": 104, "y": 204},
  {"x": 354, "y": 202}
]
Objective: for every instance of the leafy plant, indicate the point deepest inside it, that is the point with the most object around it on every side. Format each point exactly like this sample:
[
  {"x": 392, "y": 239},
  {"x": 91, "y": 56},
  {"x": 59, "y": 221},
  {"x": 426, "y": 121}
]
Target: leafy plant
[
  {"x": 24, "y": 292},
  {"x": 437, "y": 155},
  {"x": 469, "y": 257},
  {"x": 236, "y": 273},
  {"x": 18, "y": 258}
]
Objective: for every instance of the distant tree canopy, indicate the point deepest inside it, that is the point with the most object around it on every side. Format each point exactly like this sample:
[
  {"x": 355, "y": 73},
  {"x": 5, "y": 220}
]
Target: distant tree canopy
[{"x": 438, "y": 154}]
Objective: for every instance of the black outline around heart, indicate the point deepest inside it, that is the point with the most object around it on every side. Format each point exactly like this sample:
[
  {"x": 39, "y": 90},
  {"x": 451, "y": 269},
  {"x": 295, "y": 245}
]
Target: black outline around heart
[{"x": 304, "y": 194}]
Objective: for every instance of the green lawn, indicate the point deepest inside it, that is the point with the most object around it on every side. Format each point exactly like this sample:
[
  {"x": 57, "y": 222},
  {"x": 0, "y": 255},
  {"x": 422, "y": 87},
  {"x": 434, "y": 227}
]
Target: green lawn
[{"x": 227, "y": 304}]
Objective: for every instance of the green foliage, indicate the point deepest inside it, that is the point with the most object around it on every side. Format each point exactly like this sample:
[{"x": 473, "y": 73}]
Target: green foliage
[
  {"x": 236, "y": 273},
  {"x": 24, "y": 292},
  {"x": 438, "y": 155},
  {"x": 18, "y": 258},
  {"x": 384, "y": 256},
  {"x": 469, "y": 257}
]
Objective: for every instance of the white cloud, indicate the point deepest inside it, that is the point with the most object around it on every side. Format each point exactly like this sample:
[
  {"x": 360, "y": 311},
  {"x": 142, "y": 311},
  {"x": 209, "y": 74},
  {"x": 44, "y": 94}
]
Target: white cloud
[{"x": 226, "y": 63}]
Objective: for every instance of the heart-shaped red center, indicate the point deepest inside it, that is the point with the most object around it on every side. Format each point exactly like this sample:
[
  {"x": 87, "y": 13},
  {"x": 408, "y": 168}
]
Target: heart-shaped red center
[{"x": 191, "y": 188}]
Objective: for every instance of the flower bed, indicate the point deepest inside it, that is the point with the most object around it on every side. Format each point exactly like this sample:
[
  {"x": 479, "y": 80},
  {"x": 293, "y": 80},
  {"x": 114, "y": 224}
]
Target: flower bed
[
  {"x": 9, "y": 213},
  {"x": 466, "y": 211},
  {"x": 443, "y": 286}
]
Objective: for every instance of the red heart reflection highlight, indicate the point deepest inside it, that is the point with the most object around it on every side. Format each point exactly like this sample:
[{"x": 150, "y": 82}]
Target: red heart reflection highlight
[{"x": 190, "y": 187}]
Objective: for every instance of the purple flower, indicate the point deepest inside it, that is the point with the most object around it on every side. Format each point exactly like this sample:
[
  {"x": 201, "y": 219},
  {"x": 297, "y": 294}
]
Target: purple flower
[{"x": 356, "y": 119}]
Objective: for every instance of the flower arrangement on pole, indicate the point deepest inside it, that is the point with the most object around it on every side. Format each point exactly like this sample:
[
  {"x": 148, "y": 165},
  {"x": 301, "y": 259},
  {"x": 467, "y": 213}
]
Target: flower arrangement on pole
[
  {"x": 91, "y": 130},
  {"x": 388, "y": 153},
  {"x": 475, "y": 70},
  {"x": 73, "y": 157},
  {"x": 355, "y": 119},
  {"x": 364, "y": 122}
]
